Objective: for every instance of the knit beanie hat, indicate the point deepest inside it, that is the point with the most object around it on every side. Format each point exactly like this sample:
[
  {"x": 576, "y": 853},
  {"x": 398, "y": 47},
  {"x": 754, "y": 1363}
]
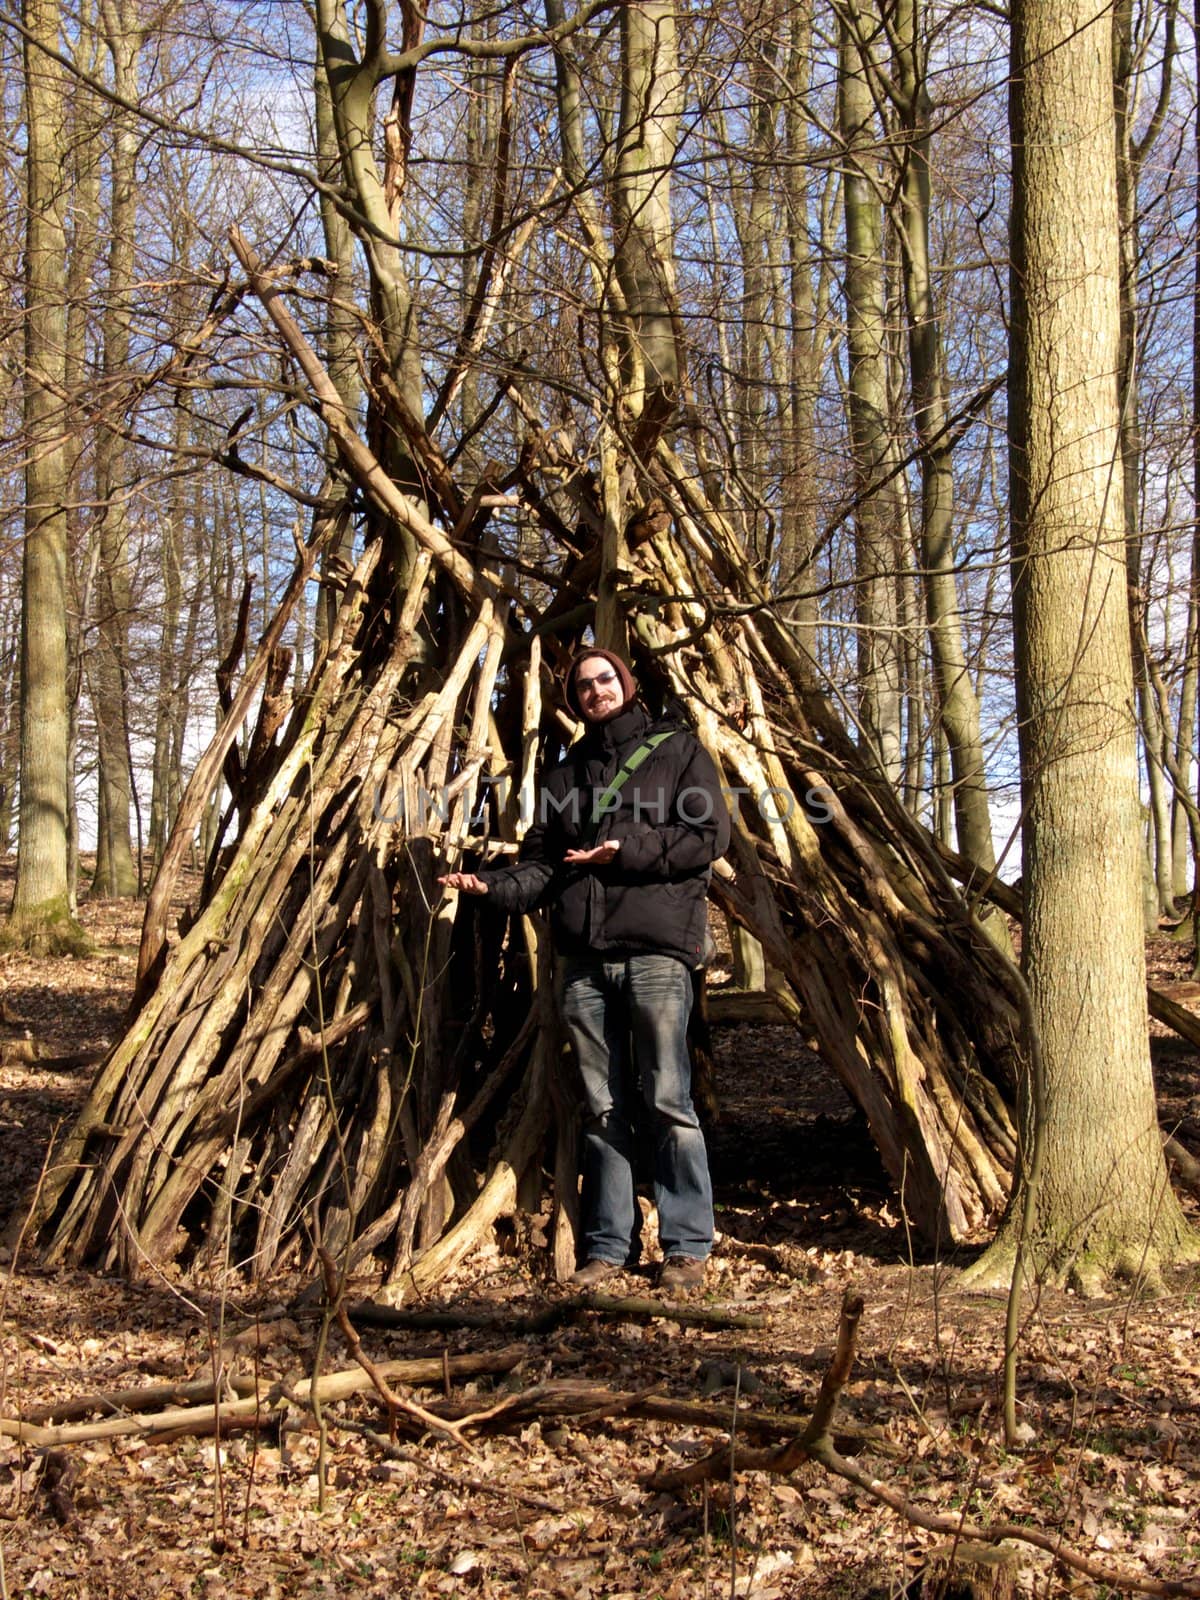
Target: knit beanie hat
[{"x": 628, "y": 687}]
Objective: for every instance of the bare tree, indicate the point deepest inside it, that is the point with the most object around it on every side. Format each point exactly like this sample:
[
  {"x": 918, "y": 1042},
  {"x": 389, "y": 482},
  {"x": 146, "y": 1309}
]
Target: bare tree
[
  {"x": 115, "y": 872},
  {"x": 42, "y": 901},
  {"x": 1098, "y": 1190}
]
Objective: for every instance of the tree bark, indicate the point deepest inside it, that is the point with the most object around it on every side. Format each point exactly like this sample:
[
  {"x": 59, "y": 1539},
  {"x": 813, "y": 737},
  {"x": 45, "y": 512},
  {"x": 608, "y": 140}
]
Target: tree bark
[
  {"x": 341, "y": 349},
  {"x": 643, "y": 317},
  {"x": 1131, "y": 151},
  {"x": 643, "y": 226},
  {"x": 1192, "y": 730}
]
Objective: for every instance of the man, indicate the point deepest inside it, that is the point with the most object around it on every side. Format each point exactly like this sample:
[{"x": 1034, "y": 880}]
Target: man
[{"x": 628, "y": 826}]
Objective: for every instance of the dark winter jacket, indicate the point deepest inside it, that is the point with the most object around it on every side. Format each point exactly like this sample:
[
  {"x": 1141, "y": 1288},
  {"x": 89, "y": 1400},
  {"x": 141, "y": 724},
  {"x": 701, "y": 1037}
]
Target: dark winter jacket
[{"x": 672, "y": 821}]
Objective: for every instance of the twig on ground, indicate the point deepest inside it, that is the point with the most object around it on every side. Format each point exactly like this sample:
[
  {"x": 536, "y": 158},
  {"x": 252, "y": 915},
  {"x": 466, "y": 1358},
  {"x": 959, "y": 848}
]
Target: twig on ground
[{"x": 397, "y": 1405}]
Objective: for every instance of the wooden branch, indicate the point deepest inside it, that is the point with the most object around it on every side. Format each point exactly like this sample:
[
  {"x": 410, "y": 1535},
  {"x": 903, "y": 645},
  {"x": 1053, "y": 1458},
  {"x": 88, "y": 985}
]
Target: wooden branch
[
  {"x": 577, "y": 1399},
  {"x": 254, "y": 1409},
  {"x": 145, "y": 1400},
  {"x": 20, "y": 1052},
  {"x": 562, "y": 1397},
  {"x": 728, "y": 1005},
  {"x": 1183, "y": 1164},
  {"x": 774, "y": 1424},
  {"x": 581, "y": 1402},
  {"x": 186, "y": 1419},
  {"x": 473, "y": 322},
  {"x": 1161, "y": 1006},
  {"x": 210, "y": 764},
  {"x": 838, "y": 1373},
  {"x": 372, "y": 1313},
  {"x": 1174, "y": 1016},
  {"x": 498, "y": 1195},
  {"x": 184, "y": 1397},
  {"x": 456, "y": 43},
  {"x": 310, "y": 1046},
  {"x": 429, "y": 458},
  {"x": 396, "y": 1404}
]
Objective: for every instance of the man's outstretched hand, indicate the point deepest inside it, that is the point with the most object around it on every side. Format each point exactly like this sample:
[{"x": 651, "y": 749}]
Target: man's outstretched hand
[
  {"x": 464, "y": 882},
  {"x": 597, "y": 856}
]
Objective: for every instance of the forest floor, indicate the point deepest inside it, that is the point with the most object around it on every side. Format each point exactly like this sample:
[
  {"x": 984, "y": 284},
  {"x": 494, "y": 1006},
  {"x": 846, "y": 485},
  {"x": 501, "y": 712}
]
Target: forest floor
[{"x": 1109, "y": 1391}]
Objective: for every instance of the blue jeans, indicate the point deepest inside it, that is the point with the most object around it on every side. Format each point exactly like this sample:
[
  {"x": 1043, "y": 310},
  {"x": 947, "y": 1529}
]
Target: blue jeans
[{"x": 627, "y": 1020}]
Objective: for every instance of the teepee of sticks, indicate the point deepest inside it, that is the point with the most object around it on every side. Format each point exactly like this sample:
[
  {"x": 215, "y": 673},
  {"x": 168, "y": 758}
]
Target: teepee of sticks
[{"x": 328, "y": 1055}]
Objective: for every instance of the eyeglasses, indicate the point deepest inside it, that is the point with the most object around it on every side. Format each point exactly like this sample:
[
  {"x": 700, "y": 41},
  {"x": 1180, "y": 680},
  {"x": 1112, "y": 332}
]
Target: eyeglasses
[{"x": 600, "y": 681}]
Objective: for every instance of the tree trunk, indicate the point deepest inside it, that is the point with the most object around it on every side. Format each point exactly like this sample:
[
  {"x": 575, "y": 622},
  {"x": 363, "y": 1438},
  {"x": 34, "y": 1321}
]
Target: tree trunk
[
  {"x": 164, "y": 780},
  {"x": 798, "y": 514},
  {"x": 752, "y": 215},
  {"x": 1185, "y": 734},
  {"x": 1103, "y": 1200},
  {"x": 341, "y": 350},
  {"x": 643, "y": 226},
  {"x": 1131, "y": 152},
  {"x": 115, "y": 872},
  {"x": 9, "y": 730},
  {"x": 354, "y": 79},
  {"x": 1191, "y": 730},
  {"x": 877, "y": 543},
  {"x": 958, "y": 704},
  {"x": 644, "y": 315},
  {"x": 41, "y": 901}
]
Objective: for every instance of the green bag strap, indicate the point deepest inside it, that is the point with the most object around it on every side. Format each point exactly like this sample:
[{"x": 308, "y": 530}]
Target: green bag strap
[{"x": 603, "y": 801}]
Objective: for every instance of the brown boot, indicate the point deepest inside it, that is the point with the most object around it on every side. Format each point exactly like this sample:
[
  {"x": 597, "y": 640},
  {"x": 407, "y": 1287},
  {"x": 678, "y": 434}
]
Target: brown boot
[
  {"x": 681, "y": 1274},
  {"x": 594, "y": 1272}
]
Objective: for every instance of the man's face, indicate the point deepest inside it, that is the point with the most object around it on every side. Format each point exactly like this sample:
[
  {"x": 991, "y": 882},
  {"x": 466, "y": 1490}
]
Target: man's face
[{"x": 598, "y": 689}]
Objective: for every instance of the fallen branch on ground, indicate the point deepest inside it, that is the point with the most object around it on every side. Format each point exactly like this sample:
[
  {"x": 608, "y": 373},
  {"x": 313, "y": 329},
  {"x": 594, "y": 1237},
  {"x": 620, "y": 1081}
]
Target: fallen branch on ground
[
  {"x": 146, "y": 1400},
  {"x": 1115, "y": 1579},
  {"x": 1184, "y": 1166},
  {"x": 772, "y": 1424},
  {"x": 579, "y": 1401},
  {"x": 253, "y": 1409},
  {"x": 565, "y": 1399},
  {"x": 397, "y": 1405}
]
